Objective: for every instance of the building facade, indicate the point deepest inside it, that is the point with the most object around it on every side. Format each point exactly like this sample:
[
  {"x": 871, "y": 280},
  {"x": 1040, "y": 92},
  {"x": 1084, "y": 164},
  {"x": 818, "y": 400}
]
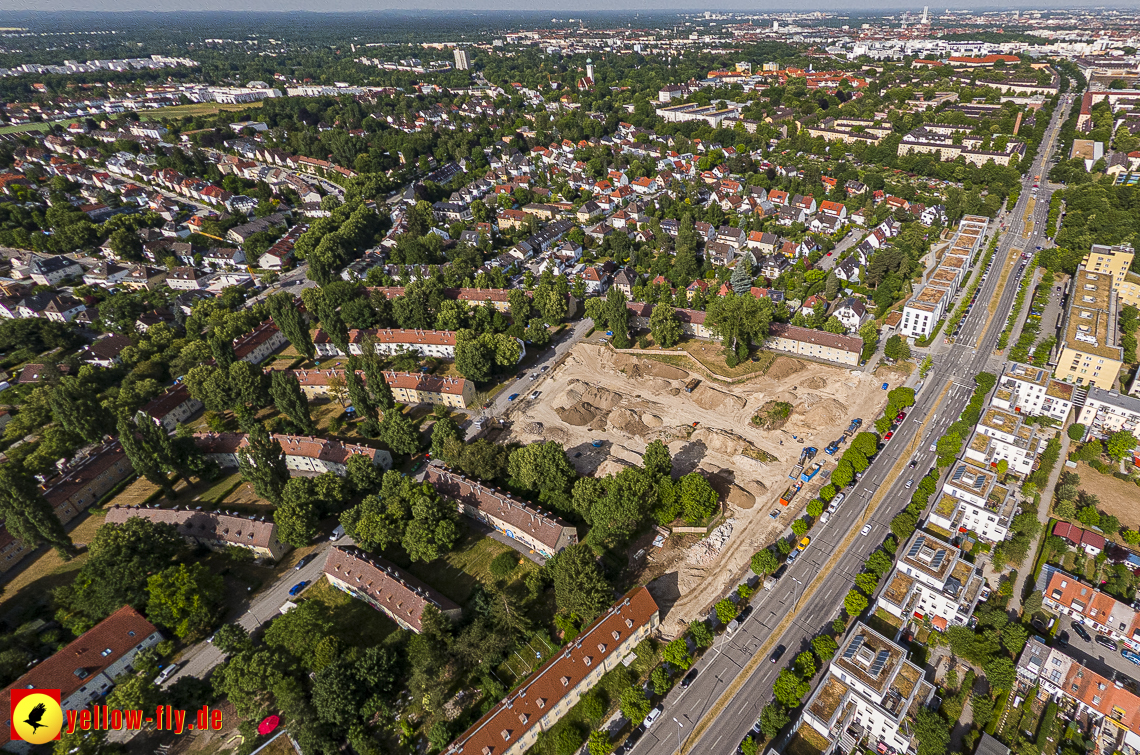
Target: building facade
[
  {"x": 303, "y": 454},
  {"x": 212, "y": 529},
  {"x": 1089, "y": 353},
  {"x": 384, "y": 586}
]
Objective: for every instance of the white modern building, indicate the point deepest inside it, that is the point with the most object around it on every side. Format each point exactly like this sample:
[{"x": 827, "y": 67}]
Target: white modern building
[
  {"x": 1033, "y": 392},
  {"x": 931, "y": 582}
]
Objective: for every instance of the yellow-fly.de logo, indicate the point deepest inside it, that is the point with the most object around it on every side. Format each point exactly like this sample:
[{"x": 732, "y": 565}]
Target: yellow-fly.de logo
[{"x": 36, "y": 715}]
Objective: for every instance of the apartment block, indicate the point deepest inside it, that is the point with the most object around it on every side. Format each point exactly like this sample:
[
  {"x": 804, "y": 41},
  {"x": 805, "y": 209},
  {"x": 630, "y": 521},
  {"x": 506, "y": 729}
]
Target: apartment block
[
  {"x": 303, "y": 455},
  {"x": 1114, "y": 261},
  {"x": 259, "y": 343},
  {"x": 1107, "y": 411},
  {"x": 538, "y": 530},
  {"x": 1004, "y": 436},
  {"x": 869, "y": 697},
  {"x": 513, "y": 726},
  {"x": 973, "y": 501},
  {"x": 387, "y": 588},
  {"x": 923, "y": 311},
  {"x": 426, "y": 343},
  {"x": 86, "y": 669},
  {"x": 817, "y": 344},
  {"x": 172, "y": 407},
  {"x": 1114, "y": 709},
  {"x": 1089, "y": 352},
  {"x": 407, "y": 387},
  {"x": 931, "y": 581},
  {"x": 1033, "y": 392},
  {"x": 86, "y": 479},
  {"x": 213, "y": 529}
]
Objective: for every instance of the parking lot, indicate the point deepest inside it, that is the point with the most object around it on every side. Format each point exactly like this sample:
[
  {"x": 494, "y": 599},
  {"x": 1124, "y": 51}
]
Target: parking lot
[{"x": 1100, "y": 659}]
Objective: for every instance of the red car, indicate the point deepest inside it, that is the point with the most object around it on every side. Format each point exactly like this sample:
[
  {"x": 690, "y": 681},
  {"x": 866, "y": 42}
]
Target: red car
[
  {"x": 901, "y": 417},
  {"x": 889, "y": 435}
]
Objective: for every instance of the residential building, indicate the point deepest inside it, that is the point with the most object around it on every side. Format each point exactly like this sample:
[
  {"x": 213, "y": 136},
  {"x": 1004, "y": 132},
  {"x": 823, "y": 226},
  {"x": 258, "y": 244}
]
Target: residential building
[
  {"x": 870, "y": 695},
  {"x": 852, "y": 313},
  {"x": 259, "y": 343},
  {"x": 187, "y": 279},
  {"x": 407, "y": 387},
  {"x": 817, "y": 344},
  {"x": 303, "y": 455},
  {"x": 924, "y": 310},
  {"x": 85, "y": 479},
  {"x": 86, "y": 669},
  {"x": 1033, "y": 392},
  {"x": 384, "y": 586},
  {"x": 1108, "y": 411},
  {"x": 48, "y": 271},
  {"x": 63, "y": 308},
  {"x": 513, "y": 726},
  {"x": 428, "y": 343},
  {"x": 1089, "y": 353},
  {"x": 462, "y": 63},
  {"x": 213, "y": 529},
  {"x": 538, "y": 530},
  {"x": 105, "y": 351},
  {"x": 172, "y": 407},
  {"x": 1097, "y": 698},
  {"x": 1005, "y": 436},
  {"x": 1092, "y": 543},
  {"x": 1114, "y": 261},
  {"x": 931, "y": 581},
  {"x": 973, "y": 501},
  {"x": 1068, "y": 596}
]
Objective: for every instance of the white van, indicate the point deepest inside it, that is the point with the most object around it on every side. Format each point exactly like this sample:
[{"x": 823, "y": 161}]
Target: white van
[
  {"x": 337, "y": 533},
  {"x": 165, "y": 674}
]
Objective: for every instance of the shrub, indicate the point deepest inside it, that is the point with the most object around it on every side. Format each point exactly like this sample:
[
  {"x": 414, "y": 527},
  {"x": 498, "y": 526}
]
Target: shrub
[{"x": 503, "y": 564}]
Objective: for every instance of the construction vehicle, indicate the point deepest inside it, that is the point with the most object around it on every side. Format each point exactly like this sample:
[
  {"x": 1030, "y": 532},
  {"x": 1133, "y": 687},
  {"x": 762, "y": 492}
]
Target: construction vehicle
[
  {"x": 787, "y": 496},
  {"x": 833, "y": 447},
  {"x": 689, "y": 386},
  {"x": 808, "y": 474},
  {"x": 853, "y": 428}
]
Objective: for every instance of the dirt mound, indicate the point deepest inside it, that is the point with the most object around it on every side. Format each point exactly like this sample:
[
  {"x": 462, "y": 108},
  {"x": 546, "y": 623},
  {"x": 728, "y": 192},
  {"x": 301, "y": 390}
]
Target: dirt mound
[
  {"x": 730, "y": 491},
  {"x": 806, "y": 401},
  {"x": 815, "y": 382},
  {"x": 533, "y": 428},
  {"x": 635, "y": 368},
  {"x": 658, "y": 385},
  {"x": 706, "y": 551},
  {"x": 602, "y": 398},
  {"x": 784, "y": 367},
  {"x": 652, "y": 420},
  {"x": 825, "y": 412},
  {"x": 627, "y": 421},
  {"x": 712, "y": 399},
  {"x": 772, "y": 415},
  {"x": 578, "y": 414}
]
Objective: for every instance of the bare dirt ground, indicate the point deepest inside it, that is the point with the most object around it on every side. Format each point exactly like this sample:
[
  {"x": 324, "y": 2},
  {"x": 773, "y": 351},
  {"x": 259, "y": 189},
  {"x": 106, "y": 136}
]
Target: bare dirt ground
[
  {"x": 1117, "y": 497},
  {"x": 623, "y": 403}
]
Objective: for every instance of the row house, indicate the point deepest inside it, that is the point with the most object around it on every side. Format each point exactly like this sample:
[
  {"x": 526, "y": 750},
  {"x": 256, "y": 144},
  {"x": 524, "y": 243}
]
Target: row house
[
  {"x": 171, "y": 408},
  {"x": 1092, "y": 543},
  {"x": 407, "y": 387},
  {"x": 387, "y": 588},
  {"x": 216, "y": 530},
  {"x": 931, "y": 582},
  {"x": 538, "y": 530},
  {"x": 513, "y": 726},
  {"x": 1068, "y": 596},
  {"x": 426, "y": 343},
  {"x": 1098, "y": 699},
  {"x": 85, "y": 479},
  {"x": 304, "y": 455},
  {"x": 259, "y": 343}
]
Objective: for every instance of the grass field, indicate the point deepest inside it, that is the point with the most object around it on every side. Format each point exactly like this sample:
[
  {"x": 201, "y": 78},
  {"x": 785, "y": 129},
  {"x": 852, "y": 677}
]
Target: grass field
[
  {"x": 25, "y": 127},
  {"x": 354, "y": 621},
  {"x": 456, "y": 574},
  {"x": 197, "y": 108},
  {"x": 711, "y": 357}
]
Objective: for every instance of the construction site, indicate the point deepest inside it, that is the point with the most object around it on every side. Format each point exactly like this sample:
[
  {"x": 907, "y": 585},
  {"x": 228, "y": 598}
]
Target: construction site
[{"x": 605, "y": 407}]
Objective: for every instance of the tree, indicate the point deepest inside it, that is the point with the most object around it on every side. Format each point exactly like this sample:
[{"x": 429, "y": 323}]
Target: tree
[
  {"x": 579, "y": 587},
  {"x": 701, "y": 634},
  {"x": 665, "y": 326},
  {"x": 232, "y": 638},
  {"x": 397, "y": 431},
  {"x": 932, "y": 732},
  {"x": 1119, "y": 445},
  {"x": 296, "y": 514},
  {"x": 773, "y": 718},
  {"x": 442, "y": 431},
  {"x": 617, "y": 317},
  {"x": 283, "y": 309},
  {"x": 676, "y": 653},
  {"x": 879, "y": 563},
  {"x": 698, "y": 499},
  {"x": 805, "y": 664},
  {"x": 432, "y": 530},
  {"x": 75, "y": 406},
  {"x": 1000, "y": 673},
  {"x": 659, "y": 678},
  {"x": 337, "y": 390},
  {"x": 896, "y": 348},
  {"x": 855, "y": 603},
  {"x": 656, "y": 461},
  {"x": 143, "y": 458},
  {"x": 867, "y": 582},
  {"x": 741, "y": 279},
  {"x": 725, "y": 611},
  {"x": 634, "y": 705},
  {"x": 789, "y": 689},
  {"x": 833, "y": 325},
  {"x": 376, "y": 523},
  {"x": 1076, "y": 432},
  {"x": 361, "y": 401},
  {"x": 764, "y": 562},
  {"x": 815, "y": 508},
  {"x": 185, "y": 599},
  {"x": 825, "y": 647},
  {"x": 290, "y": 400},
  {"x": 599, "y": 743},
  {"x": 27, "y": 515},
  {"x": 262, "y": 464}
]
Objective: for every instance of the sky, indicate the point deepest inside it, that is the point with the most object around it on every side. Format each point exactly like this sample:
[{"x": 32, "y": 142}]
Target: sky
[{"x": 560, "y": 6}]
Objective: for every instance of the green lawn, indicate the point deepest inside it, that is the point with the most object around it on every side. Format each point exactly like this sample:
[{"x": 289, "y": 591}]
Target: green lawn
[
  {"x": 197, "y": 108},
  {"x": 25, "y": 127},
  {"x": 456, "y": 574},
  {"x": 354, "y": 621},
  {"x": 220, "y": 489}
]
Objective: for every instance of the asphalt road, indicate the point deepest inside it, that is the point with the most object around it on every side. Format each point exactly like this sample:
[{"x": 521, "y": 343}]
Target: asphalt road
[
  {"x": 1107, "y": 663},
  {"x": 954, "y": 367}
]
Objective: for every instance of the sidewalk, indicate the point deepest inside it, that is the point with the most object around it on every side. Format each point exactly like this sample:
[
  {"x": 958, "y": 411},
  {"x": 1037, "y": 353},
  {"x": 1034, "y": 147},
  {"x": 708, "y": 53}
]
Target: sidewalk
[{"x": 1043, "y": 517}]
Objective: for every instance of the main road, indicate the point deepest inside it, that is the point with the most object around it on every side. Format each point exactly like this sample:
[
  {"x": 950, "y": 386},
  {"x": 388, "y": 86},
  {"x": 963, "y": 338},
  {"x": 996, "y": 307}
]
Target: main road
[{"x": 735, "y": 677}]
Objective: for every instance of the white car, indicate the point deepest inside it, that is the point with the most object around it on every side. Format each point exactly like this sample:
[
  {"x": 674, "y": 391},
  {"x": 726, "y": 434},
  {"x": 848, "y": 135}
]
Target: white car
[
  {"x": 653, "y": 716},
  {"x": 534, "y": 395},
  {"x": 165, "y": 674},
  {"x": 866, "y": 529}
]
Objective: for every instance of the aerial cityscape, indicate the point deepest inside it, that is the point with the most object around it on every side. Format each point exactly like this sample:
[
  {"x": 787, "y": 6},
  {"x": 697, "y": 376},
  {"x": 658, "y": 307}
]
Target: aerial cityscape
[{"x": 490, "y": 382}]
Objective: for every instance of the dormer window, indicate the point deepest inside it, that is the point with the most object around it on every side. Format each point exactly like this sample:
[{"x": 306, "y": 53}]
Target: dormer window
[
  {"x": 616, "y": 635},
  {"x": 565, "y": 681}
]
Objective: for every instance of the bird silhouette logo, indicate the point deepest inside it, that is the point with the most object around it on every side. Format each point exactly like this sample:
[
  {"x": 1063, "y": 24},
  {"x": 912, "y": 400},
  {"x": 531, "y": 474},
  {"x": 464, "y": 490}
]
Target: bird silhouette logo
[{"x": 36, "y": 715}]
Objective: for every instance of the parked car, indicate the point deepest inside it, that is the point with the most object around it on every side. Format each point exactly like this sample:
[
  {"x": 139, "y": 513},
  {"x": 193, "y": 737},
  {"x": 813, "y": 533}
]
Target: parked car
[
  {"x": 1128, "y": 654},
  {"x": 804, "y": 543},
  {"x": 1105, "y": 642},
  {"x": 165, "y": 674},
  {"x": 512, "y": 397},
  {"x": 890, "y": 434},
  {"x": 744, "y": 614},
  {"x": 296, "y": 589},
  {"x": 653, "y": 716},
  {"x": 1080, "y": 631},
  {"x": 688, "y": 678},
  {"x": 305, "y": 561},
  {"x": 1063, "y": 638}
]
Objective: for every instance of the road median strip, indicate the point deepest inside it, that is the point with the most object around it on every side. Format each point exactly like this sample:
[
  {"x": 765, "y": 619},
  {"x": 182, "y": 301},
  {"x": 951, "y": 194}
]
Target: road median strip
[{"x": 749, "y": 668}]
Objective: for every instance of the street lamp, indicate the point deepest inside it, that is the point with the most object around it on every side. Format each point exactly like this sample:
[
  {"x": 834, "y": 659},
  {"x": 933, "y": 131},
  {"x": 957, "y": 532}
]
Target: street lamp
[
  {"x": 801, "y": 584},
  {"x": 680, "y": 726}
]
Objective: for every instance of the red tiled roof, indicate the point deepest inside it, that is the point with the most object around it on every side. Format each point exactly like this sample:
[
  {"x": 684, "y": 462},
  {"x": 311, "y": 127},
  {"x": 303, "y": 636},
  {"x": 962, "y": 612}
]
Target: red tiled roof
[
  {"x": 207, "y": 525},
  {"x": 293, "y": 445},
  {"x": 383, "y": 582},
  {"x": 817, "y": 337},
  {"x": 167, "y": 401}
]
